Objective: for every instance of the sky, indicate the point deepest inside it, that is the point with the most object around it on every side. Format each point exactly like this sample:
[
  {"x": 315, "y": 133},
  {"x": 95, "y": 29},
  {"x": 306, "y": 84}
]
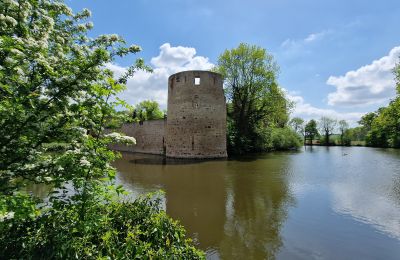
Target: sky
[{"x": 335, "y": 57}]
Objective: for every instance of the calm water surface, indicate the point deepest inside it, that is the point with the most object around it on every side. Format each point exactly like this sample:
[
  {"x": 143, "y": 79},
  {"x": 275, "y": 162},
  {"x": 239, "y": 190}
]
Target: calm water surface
[{"x": 320, "y": 203}]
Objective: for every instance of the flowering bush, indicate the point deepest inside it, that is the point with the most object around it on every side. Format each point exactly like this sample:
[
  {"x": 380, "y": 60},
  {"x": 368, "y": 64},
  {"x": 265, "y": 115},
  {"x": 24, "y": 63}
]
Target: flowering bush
[{"x": 55, "y": 97}]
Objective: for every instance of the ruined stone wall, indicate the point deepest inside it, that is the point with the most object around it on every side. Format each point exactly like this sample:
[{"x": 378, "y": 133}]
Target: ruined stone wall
[
  {"x": 196, "y": 125},
  {"x": 149, "y": 135}
]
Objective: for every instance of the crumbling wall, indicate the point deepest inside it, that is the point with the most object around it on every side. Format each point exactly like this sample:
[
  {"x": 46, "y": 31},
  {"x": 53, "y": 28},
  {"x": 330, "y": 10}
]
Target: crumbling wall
[{"x": 149, "y": 135}]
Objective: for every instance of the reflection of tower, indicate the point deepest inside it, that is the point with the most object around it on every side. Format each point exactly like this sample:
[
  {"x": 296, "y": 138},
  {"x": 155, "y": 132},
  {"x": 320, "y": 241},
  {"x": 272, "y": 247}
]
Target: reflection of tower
[{"x": 196, "y": 125}]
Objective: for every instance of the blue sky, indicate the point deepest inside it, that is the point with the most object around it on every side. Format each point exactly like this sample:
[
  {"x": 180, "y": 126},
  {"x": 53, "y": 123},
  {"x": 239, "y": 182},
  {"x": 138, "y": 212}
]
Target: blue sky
[{"x": 334, "y": 56}]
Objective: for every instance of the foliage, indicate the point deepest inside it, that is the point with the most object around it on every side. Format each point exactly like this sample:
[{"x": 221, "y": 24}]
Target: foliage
[
  {"x": 297, "y": 124},
  {"x": 115, "y": 230},
  {"x": 343, "y": 126},
  {"x": 147, "y": 110},
  {"x": 383, "y": 126},
  {"x": 327, "y": 126},
  {"x": 255, "y": 102},
  {"x": 367, "y": 119},
  {"x": 285, "y": 139},
  {"x": 311, "y": 131},
  {"x": 56, "y": 92}
]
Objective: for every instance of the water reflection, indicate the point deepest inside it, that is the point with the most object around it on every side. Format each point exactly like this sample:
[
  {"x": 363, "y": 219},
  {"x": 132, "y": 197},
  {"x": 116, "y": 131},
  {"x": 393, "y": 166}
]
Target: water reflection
[
  {"x": 331, "y": 203},
  {"x": 232, "y": 209},
  {"x": 371, "y": 196}
]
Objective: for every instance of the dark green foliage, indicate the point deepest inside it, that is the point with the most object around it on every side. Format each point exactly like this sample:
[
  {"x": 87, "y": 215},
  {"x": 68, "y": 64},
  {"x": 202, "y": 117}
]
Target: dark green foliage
[
  {"x": 114, "y": 230},
  {"x": 310, "y": 131}
]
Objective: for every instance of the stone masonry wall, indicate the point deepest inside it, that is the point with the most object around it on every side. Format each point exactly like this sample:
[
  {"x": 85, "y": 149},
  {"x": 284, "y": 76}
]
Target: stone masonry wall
[
  {"x": 149, "y": 135},
  {"x": 196, "y": 125}
]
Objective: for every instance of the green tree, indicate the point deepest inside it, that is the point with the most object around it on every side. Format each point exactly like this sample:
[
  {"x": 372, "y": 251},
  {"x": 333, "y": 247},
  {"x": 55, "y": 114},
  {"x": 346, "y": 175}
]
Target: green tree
[
  {"x": 327, "y": 126},
  {"x": 385, "y": 128},
  {"x": 384, "y": 125},
  {"x": 343, "y": 127},
  {"x": 56, "y": 92},
  {"x": 310, "y": 131},
  {"x": 255, "y": 102},
  {"x": 367, "y": 119},
  {"x": 297, "y": 124},
  {"x": 148, "y": 110}
]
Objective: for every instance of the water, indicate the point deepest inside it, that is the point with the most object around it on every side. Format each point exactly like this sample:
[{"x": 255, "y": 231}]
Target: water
[{"x": 321, "y": 203}]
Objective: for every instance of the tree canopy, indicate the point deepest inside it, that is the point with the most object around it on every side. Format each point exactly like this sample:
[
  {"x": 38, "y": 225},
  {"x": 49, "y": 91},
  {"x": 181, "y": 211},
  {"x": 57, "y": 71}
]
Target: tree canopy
[
  {"x": 256, "y": 104},
  {"x": 148, "y": 110},
  {"x": 311, "y": 131},
  {"x": 327, "y": 126}
]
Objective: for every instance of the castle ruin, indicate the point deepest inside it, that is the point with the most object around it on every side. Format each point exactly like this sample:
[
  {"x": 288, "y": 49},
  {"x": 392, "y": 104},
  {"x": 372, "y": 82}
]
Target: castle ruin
[{"x": 196, "y": 122}]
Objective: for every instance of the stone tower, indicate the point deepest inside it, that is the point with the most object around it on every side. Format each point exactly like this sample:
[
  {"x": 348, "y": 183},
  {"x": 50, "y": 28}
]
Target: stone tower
[{"x": 196, "y": 124}]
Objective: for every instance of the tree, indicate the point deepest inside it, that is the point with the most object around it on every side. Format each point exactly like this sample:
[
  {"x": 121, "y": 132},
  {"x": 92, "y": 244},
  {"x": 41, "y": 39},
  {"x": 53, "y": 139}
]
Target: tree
[
  {"x": 343, "y": 127},
  {"x": 367, "y": 119},
  {"x": 297, "y": 125},
  {"x": 148, "y": 110},
  {"x": 255, "y": 102},
  {"x": 384, "y": 125},
  {"x": 327, "y": 126},
  {"x": 310, "y": 131},
  {"x": 55, "y": 91}
]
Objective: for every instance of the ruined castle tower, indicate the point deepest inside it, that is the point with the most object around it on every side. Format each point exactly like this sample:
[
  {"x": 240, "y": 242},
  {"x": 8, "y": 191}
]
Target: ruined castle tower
[{"x": 196, "y": 124}]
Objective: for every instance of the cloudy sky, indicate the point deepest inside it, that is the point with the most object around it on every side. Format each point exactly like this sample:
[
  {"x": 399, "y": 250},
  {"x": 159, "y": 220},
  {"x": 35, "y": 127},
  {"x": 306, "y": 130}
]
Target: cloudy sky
[{"x": 335, "y": 56}]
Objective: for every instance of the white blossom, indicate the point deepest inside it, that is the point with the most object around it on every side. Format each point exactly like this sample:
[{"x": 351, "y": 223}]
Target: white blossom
[
  {"x": 8, "y": 215},
  {"x": 84, "y": 162},
  {"x": 118, "y": 138}
]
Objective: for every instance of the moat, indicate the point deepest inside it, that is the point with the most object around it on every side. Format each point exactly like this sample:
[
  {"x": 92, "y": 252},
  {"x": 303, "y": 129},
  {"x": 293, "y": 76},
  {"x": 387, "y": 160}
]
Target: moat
[{"x": 319, "y": 203}]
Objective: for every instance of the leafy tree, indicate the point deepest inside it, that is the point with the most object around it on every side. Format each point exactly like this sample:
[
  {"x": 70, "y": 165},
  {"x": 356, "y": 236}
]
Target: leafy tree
[
  {"x": 297, "y": 124},
  {"x": 343, "y": 127},
  {"x": 148, "y": 110},
  {"x": 367, "y": 119},
  {"x": 56, "y": 92},
  {"x": 255, "y": 102},
  {"x": 311, "y": 131},
  {"x": 385, "y": 128},
  {"x": 327, "y": 126},
  {"x": 384, "y": 125}
]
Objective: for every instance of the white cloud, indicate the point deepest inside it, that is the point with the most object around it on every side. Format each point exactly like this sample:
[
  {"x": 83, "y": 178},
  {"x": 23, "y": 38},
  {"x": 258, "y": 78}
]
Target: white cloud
[
  {"x": 316, "y": 36},
  {"x": 154, "y": 86},
  {"x": 370, "y": 84},
  {"x": 307, "y": 111},
  {"x": 297, "y": 44}
]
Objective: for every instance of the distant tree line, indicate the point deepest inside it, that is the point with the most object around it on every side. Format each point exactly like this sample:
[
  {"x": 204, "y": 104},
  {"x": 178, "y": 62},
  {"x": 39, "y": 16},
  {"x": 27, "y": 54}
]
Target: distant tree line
[{"x": 377, "y": 129}]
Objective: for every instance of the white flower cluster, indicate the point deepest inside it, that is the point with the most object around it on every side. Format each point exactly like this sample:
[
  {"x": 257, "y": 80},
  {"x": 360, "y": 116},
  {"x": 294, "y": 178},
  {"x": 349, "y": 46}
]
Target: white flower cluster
[
  {"x": 7, "y": 215},
  {"x": 84, "y": 162},
  {"x": 7, "y": 21},
  {"x": 118, "y": 138}
]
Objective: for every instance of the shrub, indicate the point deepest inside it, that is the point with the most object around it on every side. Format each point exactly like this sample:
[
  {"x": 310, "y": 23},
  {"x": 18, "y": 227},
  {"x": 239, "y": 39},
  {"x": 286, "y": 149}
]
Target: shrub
[
  {"x": 112, "y": 230},
  {"x": 285, "y": 139}
]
